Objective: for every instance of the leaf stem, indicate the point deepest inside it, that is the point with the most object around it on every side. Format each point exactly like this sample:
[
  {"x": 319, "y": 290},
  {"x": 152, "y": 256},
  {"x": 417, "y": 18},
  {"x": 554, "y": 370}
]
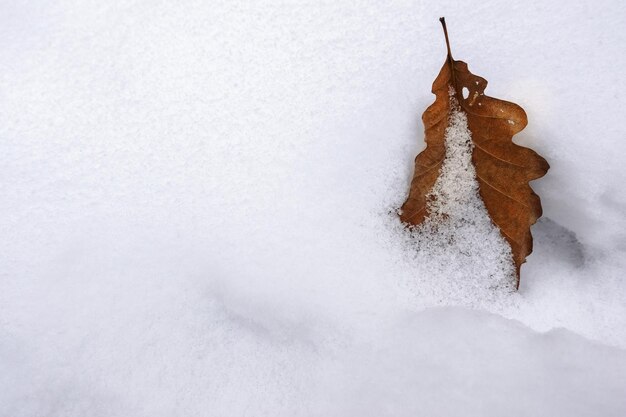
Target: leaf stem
[
  {"x": 445, "y": 32},
  {"x": 450, "y": 60}
]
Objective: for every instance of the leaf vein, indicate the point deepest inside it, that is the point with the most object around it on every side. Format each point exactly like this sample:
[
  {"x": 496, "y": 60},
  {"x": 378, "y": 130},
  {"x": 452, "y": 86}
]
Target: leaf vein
[{"x": 497, "y": 157}]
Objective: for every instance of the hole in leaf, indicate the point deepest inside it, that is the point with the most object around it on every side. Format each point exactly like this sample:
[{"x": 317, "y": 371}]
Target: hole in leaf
[{"x": 465, "y": 92}]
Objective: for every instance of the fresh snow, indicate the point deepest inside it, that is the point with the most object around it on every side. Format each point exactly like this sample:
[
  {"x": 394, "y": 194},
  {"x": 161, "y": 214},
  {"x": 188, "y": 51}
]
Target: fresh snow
[
  {"x": 458, "y": 237},
  {"x": 197, "y": 212}
]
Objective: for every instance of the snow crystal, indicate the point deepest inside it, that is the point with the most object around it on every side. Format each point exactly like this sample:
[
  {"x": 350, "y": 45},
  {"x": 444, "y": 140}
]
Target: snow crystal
[{"x": 458, "y": 234}]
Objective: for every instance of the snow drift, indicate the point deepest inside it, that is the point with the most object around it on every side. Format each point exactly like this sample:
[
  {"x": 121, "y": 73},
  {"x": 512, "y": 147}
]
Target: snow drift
[{"x": 198, "y": 201}]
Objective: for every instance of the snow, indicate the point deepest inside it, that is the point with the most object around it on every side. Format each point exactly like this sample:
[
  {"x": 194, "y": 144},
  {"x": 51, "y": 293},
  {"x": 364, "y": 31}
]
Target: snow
[
  {"x": 197, "y": 212},
  {"x": 458, "y": 237}
]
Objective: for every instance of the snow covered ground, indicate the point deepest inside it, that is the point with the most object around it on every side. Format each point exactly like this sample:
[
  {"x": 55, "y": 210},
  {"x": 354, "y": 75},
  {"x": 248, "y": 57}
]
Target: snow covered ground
[{"x": 196, "y": 211}]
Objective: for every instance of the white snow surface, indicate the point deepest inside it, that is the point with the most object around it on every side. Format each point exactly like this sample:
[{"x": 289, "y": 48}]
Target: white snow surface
[{"x": 197, "y": 211}]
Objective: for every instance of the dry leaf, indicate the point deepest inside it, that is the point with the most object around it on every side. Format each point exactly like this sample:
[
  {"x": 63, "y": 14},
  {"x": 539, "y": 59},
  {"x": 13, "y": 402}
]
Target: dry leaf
[{"x": 503, "y": 169}]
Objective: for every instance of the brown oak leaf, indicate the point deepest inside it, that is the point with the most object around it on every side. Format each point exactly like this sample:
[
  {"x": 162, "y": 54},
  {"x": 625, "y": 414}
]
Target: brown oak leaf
[{"x": 503, "y": 169}]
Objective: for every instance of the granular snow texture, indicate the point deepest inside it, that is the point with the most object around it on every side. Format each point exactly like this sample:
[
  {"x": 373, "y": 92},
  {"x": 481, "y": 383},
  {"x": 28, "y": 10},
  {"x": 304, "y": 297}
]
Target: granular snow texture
[{"x": 458, "y": 237}]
